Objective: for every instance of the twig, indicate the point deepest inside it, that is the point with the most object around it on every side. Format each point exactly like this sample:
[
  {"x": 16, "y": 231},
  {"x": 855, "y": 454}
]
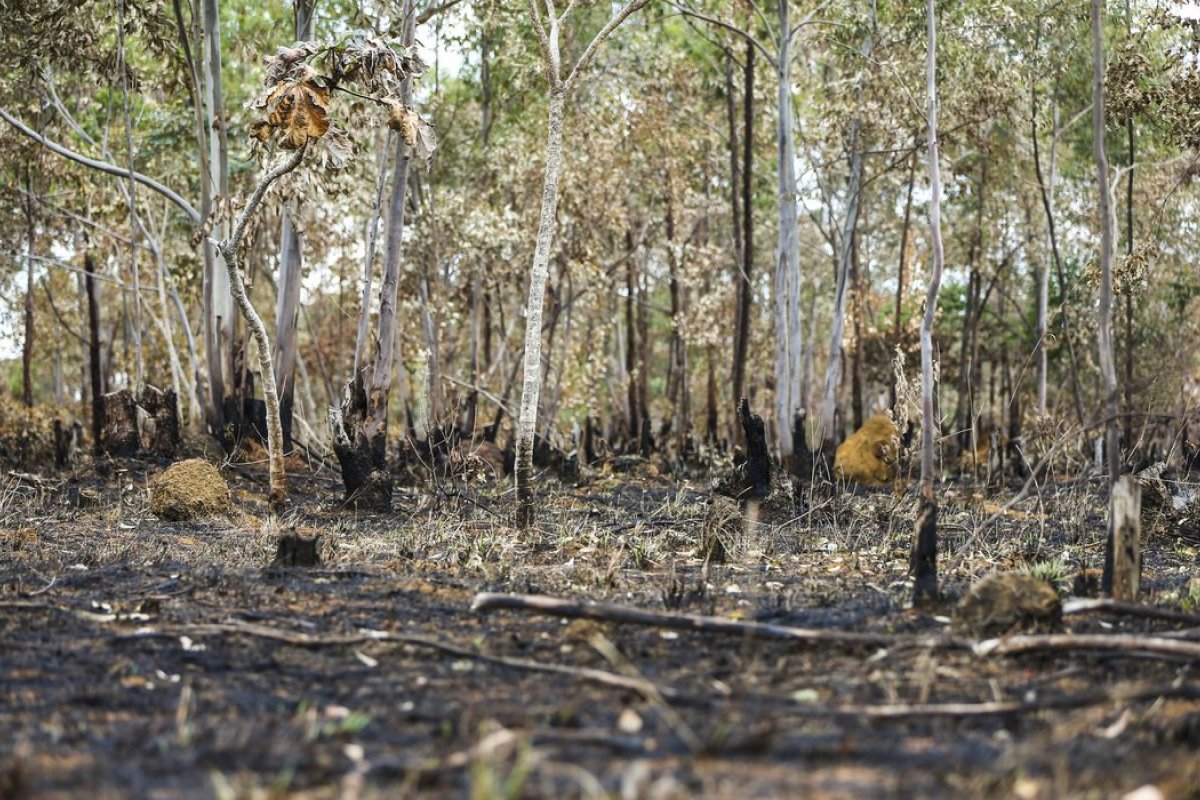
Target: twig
[
  {"x": 553, "y": 606},
  {"x": 1068, "y": 642},
  {"x": 1083, "y": 605}
]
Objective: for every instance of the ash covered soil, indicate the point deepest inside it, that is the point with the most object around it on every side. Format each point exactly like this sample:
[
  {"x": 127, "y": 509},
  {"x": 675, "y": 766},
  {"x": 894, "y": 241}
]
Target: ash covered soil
[{"x": 166, "y": 659}]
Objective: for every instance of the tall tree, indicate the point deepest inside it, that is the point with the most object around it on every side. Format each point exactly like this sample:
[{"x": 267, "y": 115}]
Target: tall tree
[
  {"x": 924, "y": 559},
  {"x": 549, "y": 33},
  {"x": 1108, "y": 364}
]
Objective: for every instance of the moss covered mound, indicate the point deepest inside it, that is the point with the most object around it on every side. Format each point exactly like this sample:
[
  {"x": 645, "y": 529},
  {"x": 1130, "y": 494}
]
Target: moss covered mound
[
  {"x": 189, "y": 489},
  {"x": 868, "y": 456}
]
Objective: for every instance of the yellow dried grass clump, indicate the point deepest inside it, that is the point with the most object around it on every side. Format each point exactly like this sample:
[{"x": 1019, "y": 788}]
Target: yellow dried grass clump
[
  {"x": 189, "y": 489},
  {"x": 868, "y": 456}
]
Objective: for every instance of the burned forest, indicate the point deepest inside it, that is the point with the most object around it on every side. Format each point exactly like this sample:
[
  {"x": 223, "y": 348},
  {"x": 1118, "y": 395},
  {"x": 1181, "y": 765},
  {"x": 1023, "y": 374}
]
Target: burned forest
[{"x": 623, "y": 399}]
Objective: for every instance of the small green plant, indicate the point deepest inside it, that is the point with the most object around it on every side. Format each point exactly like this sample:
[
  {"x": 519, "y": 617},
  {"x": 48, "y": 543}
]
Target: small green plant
[{"x": 1054, "y": 572}]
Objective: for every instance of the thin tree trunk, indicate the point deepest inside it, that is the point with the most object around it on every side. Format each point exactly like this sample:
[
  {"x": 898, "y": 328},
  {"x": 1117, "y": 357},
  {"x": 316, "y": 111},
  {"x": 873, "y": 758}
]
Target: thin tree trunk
[
  {"x": 1129, "y": 232},
  {"x": 94, "y": 374},
  {"x": 787, "y": 255},
  {"x": 924, "y": 561},
  {"x": 531, "y": 382},
  {"x": 139, "y": 369},
  {"x": 218, "y": 328},
  {"x": 287, "y": 313},
  {"x": 1046, "y": 188},
  {"x": 833, "y": 368},
  {"x": 372, "y": 237},
  {"x": 277, "y": 494},
  {"x": 30, "y": 244},
  {"x": 291, "y": 270},
  {"x": 1108, "y": 369},
  {"x": 896, "y": 329},
  {"x": 359, "y": 425},
  {"x": 745, "y": 293}
]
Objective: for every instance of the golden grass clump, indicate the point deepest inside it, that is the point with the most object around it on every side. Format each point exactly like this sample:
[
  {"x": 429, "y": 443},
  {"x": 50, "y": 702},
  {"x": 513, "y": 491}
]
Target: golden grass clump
[
  {"x": 868, "y": 456},
  {"x": 189, "y": 489}
]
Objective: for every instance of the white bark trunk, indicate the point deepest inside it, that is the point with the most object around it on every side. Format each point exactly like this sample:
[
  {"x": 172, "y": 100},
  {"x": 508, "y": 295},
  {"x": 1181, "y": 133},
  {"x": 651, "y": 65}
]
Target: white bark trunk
[
  {"x": 833, "y": 369},
  {"x": 1108, "y": 365},
  {"x": 928, "y": 421},
  {"x": 218, "y": 321},
  {"x": 228, "y": 248},
  {"x": 532, "y": 377},
  {"x": 787, "y": 255}
]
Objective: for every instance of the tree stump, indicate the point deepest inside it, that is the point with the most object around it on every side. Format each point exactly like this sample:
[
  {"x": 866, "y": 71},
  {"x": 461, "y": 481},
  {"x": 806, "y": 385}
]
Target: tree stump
[
  {"x": 361, "y": 455},
  {"x": 148, "y": 424},
  {"x": 119, "y": 426},
  {"x": 757, "y": 483},
  {"x": 924, "y": 556},
  {"x": 293, "y": 550},
  {"x": 1123, "y": 553}
]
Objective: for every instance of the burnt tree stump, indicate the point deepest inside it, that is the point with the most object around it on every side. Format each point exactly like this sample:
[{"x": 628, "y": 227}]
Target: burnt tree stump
[
  {"x": 758, "y": 457},
  {"x": 293, "y": 550},
  {"x": 924, "y": 556},
  {"x": 360, "y": 448},
  {"x": 146, "y": 424}
]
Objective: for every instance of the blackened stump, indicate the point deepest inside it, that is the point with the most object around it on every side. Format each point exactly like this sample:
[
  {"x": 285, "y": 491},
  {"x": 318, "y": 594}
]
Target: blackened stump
[
  {"x": 293, "y": 550},
  {"x": 758, "y": 458},
  {"x": 924, "y": 556}
]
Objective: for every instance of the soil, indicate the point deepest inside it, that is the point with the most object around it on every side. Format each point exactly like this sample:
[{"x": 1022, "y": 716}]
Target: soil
[{"x": 144, "y": 658}]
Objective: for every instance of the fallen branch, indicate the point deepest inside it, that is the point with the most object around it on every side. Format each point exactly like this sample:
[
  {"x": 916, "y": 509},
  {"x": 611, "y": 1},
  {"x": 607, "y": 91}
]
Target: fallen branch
[
  {"x": 1003, "y": 708},
  {"x": 610, "y": 679},
  {"x": 557, "y": 607},
  {"x": 1083, "y": 605},
  {"x": 1070, "y": 642}
]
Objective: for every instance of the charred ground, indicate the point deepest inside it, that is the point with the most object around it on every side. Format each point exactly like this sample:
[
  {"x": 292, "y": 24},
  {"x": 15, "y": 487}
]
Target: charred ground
[{"x": 149, "y": 658}]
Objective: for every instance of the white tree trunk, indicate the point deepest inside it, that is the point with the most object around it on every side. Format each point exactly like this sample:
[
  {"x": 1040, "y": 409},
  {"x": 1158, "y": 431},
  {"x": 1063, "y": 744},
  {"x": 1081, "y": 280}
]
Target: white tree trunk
[
  {"x": 1108, "y": 365},
  {"x": 833, "y": 369},
  {"x": 928, "y": 420},
  {"x": 228, "y": 248},
  {"x": 532, "y": 377},
  {"x": 218, "y": 299},
  {"x": 787, "y": 255}
]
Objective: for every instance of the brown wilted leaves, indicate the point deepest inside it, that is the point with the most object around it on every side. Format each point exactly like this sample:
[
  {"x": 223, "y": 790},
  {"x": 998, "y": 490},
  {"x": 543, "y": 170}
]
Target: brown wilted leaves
[{"x": 299, "y": 113}]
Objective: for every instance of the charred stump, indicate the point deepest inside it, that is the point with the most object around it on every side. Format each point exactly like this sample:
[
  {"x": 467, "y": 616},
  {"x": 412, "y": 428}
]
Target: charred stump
[
  {"x": 68, "y": 441},
  {"x": 118, "y": 424},
  {"x": 924, "y": 555},
  {"x": 758, "y": 457},
  {"x": 147, "y": 424},
  {"x": 293, "y": 550},
  {"x": 360, "y": 444}
]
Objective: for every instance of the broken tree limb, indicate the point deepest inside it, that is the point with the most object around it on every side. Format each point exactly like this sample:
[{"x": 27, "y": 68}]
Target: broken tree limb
[
  {"x": 1121, "y": 644},
  {"x": 1084, "y": 605},
  {"x": 553, "y": 606},
  {"x": 299, "y": 639}
]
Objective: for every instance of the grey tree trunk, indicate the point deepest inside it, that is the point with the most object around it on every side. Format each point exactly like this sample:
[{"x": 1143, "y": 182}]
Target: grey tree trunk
[
  {"x": 228, "y": 249},
  {"x": 924, "y": 555},
  {"x": 27, "y": 344},
  {"x": 833, "y": 369},
  {"x": 287, "y": 314},
  {"x": 787, "y": 254},
  {"x": 291, "y": 268},
  {"x": 1108, "y": 366},
  {"x": 218, "y": 328},
  {"x": 359, "y": 425},
  {"x": 531, "y": 383}
]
